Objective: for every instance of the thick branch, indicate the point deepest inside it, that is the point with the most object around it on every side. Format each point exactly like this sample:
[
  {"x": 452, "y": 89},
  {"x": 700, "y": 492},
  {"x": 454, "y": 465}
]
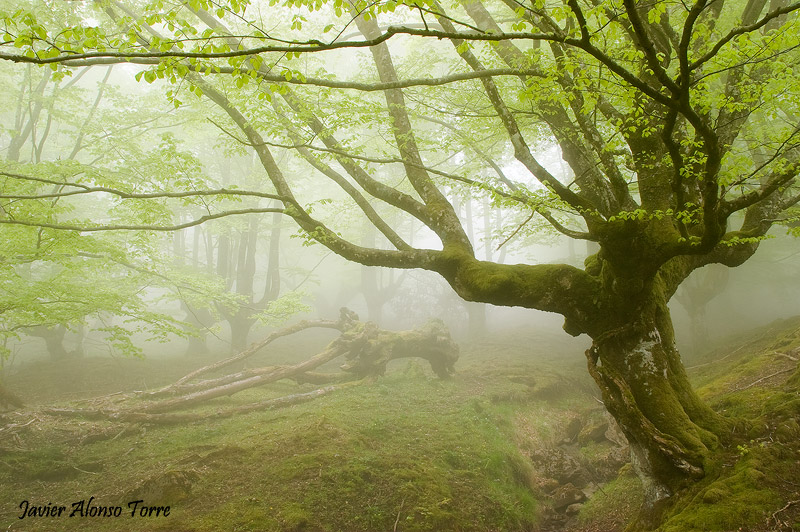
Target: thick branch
[
  {"x": 445, "y": 221},
  {"x": 558, "y": 288},
  {"x": 87, "y": 189},
  {"x": 410, "y": 258}
]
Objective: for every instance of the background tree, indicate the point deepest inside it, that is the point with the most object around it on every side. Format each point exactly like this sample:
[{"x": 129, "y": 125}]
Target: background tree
[{"x": 654, "y": 108}]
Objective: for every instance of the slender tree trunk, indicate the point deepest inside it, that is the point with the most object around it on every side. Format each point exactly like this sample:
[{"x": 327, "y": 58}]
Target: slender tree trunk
[
  {"x": 699, "y": 326},
  {"x": 476, "y": 314},
  {"x": 487, "y": 230},
  {"x": 272, "y": 287},
  {"x": 694, "y": 296},
  {"x": 34, "y": 110},
  {"x": 200, "y": 318}
]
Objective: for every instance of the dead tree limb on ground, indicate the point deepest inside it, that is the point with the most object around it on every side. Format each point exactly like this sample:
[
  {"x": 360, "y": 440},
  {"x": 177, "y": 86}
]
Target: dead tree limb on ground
[{"x": 367, "y": 350}]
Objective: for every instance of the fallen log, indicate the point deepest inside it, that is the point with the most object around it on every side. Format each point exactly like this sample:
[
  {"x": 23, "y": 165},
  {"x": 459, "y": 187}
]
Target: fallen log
[
  {"x": 250, "y": 351},
  {"x": 250, "y": 382},
  {"x": 187, "y": 417},
  {"x": 431, "y": 342},
  {"x": 367, "y": 350}
]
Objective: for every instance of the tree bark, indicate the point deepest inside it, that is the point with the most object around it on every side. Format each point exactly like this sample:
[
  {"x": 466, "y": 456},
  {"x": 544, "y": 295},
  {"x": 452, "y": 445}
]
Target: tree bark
[
  {"x": 333, "y": 351},
  {"x": 645, "y": 387},
  {"x": 379, "y": 347}
]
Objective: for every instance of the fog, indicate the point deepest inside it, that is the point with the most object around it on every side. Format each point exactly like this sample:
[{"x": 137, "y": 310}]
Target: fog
[
  {"x": 319, "y": 283},
  {"x": 249, "y": 251}
]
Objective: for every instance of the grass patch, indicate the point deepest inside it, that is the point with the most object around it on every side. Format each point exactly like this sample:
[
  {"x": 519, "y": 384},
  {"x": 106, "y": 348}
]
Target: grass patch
[
  {"x": 405, "y": 449},
  {"x": 615, "y": 504},
  {"x": 742, "y": 497}
]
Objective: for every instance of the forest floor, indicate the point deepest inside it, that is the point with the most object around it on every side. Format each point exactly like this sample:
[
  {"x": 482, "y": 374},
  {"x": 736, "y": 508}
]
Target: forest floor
[{"x": 516, "y": 441}]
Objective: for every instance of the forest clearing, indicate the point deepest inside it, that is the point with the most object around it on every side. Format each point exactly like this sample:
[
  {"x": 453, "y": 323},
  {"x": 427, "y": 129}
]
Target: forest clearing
[{"x": 399, "y": 264}]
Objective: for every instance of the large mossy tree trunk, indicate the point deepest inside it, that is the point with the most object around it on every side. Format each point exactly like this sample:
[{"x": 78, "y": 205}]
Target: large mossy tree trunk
[
  {"x": 622, "y": 305},
  {"x": 672, "y": 433}
]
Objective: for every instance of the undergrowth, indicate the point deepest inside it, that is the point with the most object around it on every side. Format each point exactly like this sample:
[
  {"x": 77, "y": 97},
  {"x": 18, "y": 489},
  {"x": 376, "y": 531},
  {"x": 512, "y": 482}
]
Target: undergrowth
[{"x": 409, "y": 452}]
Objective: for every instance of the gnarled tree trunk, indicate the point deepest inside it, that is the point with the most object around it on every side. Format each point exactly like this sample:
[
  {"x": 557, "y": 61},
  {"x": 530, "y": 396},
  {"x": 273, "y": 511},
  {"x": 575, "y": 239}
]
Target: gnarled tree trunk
[{"x": 645, "y": 387}]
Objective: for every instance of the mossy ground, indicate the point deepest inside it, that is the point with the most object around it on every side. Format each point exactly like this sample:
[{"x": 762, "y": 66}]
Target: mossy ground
[
  {"x": 406, "y": 452},
  {"x": 754, "y": 485}
]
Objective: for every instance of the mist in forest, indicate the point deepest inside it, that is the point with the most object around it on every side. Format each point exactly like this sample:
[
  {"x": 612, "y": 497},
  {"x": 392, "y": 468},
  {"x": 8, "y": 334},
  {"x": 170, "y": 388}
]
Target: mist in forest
[
  {"x": 311, "y": 265},
  {"x": 226, "y": 283}
]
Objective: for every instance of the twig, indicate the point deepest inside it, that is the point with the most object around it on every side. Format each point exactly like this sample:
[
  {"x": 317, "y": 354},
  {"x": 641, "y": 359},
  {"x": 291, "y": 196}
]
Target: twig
[
  {"x": 788, "y": 505},
  {"x": 16, "y": 426},
  {"x": 764, "y": 378},
  {"x": 394, "y": 528},
  {"x": 517, "y": 230},
  {"x": 84, "y": 471}
]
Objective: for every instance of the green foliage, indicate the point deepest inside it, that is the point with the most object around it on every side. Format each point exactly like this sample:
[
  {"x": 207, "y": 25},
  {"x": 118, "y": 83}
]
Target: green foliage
[
  {"x": 284, "y": 307},
  {"x": 792, "y": 222},
  {"x": 647, "y": 129}
]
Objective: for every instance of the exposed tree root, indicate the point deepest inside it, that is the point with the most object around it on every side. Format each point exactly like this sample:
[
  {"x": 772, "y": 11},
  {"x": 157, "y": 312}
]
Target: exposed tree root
[
  {"x": 782, "y": 523},
  {"x": 762, "y": 379},
  {"x": 366, "y": 348}
]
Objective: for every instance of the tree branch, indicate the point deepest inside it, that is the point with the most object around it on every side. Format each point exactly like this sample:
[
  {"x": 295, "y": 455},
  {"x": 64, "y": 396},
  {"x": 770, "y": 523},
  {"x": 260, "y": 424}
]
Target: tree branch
[
  {"x": 741, "y": 31},
  {"x": 140, "y": 227},
  {"x": 86, "y": 189}
]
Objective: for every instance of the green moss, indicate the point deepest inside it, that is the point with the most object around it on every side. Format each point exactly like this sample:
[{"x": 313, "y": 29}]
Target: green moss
[
  {"x": 794, "y": 381},
  {"x": 615, "y": 504},
  {"x": 740, "y": 497},
  {"x": 431, "y": 455}
]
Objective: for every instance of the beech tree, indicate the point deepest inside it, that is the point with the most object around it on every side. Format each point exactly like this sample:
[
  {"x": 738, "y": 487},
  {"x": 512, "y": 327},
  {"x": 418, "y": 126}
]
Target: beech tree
[
  {"x": 54, "y": 281},
  {"x": 677, "y": 124}
]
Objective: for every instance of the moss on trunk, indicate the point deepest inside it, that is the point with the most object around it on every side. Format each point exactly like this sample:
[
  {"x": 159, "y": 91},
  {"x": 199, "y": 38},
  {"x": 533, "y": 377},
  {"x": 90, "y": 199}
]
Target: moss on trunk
[{"x": 671, "y": 431}]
